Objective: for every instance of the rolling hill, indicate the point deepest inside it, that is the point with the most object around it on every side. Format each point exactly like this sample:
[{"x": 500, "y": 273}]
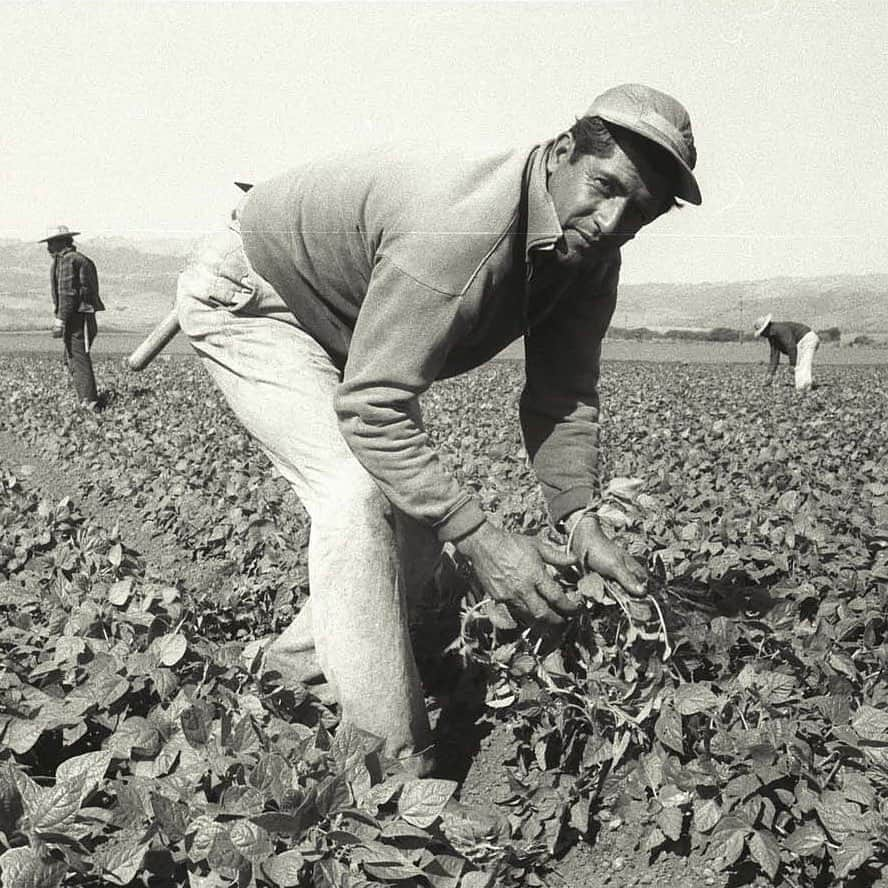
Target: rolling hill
[{"x": 139, "y": 283}]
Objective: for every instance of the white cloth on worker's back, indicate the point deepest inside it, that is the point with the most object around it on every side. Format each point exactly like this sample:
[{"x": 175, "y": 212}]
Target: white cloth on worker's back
[
  {"x": 808, "y": 344},
  {"x": 365, "y": 556}
]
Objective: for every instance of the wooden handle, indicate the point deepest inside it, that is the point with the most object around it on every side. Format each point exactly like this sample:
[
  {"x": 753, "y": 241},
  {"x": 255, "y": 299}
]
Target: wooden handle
[{"x": 156, "y": 341}]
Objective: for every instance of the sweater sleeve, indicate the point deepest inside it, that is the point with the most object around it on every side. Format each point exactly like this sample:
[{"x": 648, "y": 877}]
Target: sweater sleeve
[
  {"x": 559, "y": 404},
  {"x": 88, "y": 282},
  {"x": 401, "y": 339},
  {"x": 774, "y": 359}
]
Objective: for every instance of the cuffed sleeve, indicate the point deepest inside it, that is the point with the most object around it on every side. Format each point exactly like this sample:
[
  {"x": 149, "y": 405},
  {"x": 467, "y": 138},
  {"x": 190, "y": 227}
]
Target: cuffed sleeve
[
  {"x": 559, "y": 404},
  {"x": 403, "y": 334}
]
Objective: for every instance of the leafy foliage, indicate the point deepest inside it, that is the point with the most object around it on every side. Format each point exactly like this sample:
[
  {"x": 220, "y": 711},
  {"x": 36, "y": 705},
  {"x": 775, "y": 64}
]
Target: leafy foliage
[{"x": 739, "y": 711}]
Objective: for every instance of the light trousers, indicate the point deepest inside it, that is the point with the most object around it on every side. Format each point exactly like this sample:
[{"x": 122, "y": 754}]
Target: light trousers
[
  {"x": 364, "y": 557},
  {"x": 808, "y": 344}
]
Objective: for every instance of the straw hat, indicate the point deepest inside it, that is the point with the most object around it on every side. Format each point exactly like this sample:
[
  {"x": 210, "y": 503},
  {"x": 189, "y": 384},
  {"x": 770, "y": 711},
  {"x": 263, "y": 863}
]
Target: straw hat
[
  {"x": 57, "y": 231},
  {"x": 761, "y": 323}
]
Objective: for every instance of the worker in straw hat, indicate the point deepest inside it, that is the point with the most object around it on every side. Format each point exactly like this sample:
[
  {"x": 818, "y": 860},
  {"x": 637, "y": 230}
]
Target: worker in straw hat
[
  {"x": 75, "y": 299},
  {"x": 797, "y": 341},
  {"x": 345, "y": 287}
]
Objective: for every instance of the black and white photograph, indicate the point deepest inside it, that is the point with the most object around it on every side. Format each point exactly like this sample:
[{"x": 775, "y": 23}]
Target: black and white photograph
[{"x": 444, "y": 444}]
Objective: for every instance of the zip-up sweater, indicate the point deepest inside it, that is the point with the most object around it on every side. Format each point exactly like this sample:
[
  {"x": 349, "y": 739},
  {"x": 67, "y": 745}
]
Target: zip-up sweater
[{"x": 405, "y": 271}]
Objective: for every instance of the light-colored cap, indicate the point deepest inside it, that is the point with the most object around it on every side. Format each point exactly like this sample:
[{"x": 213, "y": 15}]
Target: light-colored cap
[
  {"x": 658, "y": 117},
  {"x": 761, "y": 323},
  {"x": 57, "y": 231}
]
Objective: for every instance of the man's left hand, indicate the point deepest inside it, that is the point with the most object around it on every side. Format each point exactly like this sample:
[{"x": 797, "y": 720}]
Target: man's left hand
[
  {"x": 597, "y": 552},
  {"x": 58, "y": 328}
]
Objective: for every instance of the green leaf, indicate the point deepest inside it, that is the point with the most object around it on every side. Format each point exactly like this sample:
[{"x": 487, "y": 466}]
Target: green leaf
[
  {"x": 444, "y": 870},
  {"x": 333, "y": 793},
  {"x": 765, "y": 852},
  {"x": 120, "y": 592},
  {"x": 706, "y": 814},
  {"x": 393, "y": 871},
  {"x": 856, "y": 787},
  {"x": 22, "y": 733},
  {"x": 477, "y": 879},
  {"x": 223, "y": 856},
  {"x": 195, "y": 723},
  {"x": 839, "y": 816},
  {"x": 668, "y": 728},
  {"x": 169, "y": 649},
  {"x": 653, "y": 840},
  {"x": 670, "y": 821},
  {"x": 694, "y": 697},
  {"x": 120, "y": 858},
  {"x": 204, "y": 831},
  {"x": 283, "y": 869},
  {"x": 871, "y": 724},
  {"x": 854, "y": 853},
  {"x": 53, "y": 806},
  {"x": 136, "y": 735},
  {"x": 25, "y": 868},
  {"x": 171, "y": 816},
  {"x": 250, "y": 840},
  {"x": 422, "y": 801},
  {"x": 91, "y": 767},
  {"x": 806, "y": 840},
  {"x": 670, "y": 796}
]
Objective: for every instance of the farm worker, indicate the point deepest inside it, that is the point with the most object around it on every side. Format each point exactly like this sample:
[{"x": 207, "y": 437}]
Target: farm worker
[
  {"x": 797, "y": 341},
  {"x": 75, "y": 300},
  {"x": 345, "y": 287}
]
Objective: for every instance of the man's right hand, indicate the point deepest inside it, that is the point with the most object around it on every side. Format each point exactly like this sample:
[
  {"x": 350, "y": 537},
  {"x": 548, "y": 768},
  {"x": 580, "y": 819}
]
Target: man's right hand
[
  {"x": 512, "y": 568},
  {"x": 58, "y": 328}
]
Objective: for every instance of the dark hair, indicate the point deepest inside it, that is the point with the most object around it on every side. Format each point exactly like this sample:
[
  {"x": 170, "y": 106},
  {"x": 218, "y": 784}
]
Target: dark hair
[{"x": 598, "y": 137}]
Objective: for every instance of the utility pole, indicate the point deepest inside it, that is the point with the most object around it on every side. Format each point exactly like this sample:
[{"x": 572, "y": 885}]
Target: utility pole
[{"x": 740, "y": 331}]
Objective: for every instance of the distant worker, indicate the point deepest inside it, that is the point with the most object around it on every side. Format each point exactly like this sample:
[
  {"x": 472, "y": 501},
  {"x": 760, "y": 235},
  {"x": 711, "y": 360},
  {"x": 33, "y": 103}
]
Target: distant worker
[
  {"x": 797, "y": 341},
  {"x": 75, "y": 301}
]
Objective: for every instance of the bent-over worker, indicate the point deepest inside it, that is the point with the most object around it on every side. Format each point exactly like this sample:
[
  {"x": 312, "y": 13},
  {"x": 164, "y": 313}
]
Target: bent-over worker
[
  {"x": 797, "y": 341},
  {"x": 345, "y": 287}
]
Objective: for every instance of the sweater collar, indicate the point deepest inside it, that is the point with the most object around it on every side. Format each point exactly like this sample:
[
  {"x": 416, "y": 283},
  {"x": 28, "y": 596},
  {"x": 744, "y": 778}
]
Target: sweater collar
[{"x": 543, "y": 227}]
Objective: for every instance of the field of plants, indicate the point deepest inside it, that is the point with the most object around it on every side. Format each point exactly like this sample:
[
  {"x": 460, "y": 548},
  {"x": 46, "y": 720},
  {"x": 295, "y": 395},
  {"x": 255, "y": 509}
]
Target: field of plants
[{"x": 731, "y": 728}]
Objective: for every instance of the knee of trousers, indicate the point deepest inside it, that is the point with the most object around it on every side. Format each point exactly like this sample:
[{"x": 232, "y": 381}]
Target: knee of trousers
[{"x": 351, "y": 497}]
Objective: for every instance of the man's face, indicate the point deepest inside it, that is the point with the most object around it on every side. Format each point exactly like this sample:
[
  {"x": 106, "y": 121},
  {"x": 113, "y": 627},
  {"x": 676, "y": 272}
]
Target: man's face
[
  {"x": 54, "y": 246},
  {"x": 602, "y": 202}
]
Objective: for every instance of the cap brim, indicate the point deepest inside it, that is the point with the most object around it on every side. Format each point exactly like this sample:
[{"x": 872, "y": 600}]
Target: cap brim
[{"x": 686, "y": 187}]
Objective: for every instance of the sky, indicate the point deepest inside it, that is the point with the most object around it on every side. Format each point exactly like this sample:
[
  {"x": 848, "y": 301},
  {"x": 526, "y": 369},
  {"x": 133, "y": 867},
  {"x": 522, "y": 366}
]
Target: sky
[{"x": 134, "y": 119}]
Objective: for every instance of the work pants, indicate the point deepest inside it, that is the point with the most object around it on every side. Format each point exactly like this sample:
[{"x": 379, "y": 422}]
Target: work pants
[
  {"x": 364, "y": 555},
  {"x": 808, "y": 344},
  {"x": 80, "y": 333}
]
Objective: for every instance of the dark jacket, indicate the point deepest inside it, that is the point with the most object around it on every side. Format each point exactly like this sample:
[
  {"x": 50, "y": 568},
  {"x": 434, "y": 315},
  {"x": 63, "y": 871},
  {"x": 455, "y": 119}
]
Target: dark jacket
[
  {"x": 412, "y": 269},
  {"x": 784, "y": 336},
  {"x": 75, "y": 284}
]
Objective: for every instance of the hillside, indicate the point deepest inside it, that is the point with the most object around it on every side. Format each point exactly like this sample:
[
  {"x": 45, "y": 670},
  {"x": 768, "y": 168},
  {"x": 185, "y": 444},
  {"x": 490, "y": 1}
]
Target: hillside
[
  {"x": 139, "y": 283},
  {"x": 854, "y": 303}
]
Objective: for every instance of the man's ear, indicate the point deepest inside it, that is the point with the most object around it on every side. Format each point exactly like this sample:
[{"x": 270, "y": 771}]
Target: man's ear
[{"x": 561, "y": 151}]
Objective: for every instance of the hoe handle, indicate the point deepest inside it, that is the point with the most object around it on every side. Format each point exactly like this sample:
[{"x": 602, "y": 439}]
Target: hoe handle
[{"x": 155, "y": 342}]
